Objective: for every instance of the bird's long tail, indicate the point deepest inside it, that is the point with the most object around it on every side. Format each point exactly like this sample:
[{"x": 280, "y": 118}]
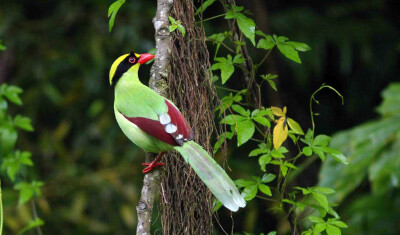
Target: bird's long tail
[{"x": 212, "y": 175}]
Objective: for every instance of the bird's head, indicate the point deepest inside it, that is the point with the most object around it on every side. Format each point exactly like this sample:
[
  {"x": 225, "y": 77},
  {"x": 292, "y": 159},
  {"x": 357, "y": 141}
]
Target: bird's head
[{"x": 127, "y": 62}]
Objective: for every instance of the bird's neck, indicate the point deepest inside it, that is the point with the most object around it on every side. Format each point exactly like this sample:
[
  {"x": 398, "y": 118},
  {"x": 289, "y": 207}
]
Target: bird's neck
[
  {"x": 128, "y": 83},
  {"x": 129, "y": 78}
]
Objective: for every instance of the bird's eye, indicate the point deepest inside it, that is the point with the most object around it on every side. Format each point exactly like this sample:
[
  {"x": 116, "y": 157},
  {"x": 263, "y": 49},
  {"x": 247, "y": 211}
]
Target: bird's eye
[{"x": 132, "y": 59}]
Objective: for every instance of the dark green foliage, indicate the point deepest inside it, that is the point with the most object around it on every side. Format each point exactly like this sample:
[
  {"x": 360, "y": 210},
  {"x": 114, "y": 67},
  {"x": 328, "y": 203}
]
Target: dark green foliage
[{"x": 373, "y": 152}]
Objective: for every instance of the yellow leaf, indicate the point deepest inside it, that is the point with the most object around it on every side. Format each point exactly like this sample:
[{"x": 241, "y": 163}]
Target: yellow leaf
[
  {"x": 280, "y": 133},
  {"x": 277, "y": 111},
  {"x": 284, "y": 111}
]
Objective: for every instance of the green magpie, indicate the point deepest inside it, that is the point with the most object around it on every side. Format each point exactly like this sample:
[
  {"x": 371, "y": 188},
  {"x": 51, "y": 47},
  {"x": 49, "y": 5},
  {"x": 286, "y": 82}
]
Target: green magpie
[{"x": 155, "y": 124}]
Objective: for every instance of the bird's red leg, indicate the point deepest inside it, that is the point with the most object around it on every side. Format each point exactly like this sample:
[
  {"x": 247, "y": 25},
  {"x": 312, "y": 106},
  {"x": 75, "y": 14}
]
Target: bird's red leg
[{"x": 153, "y": 164}]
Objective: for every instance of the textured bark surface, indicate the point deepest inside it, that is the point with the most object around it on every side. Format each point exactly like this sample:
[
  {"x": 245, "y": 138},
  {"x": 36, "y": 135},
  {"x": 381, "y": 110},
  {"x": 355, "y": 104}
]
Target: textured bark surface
[
  {"x": 159, "y": 74},
  {"x": 187, "y": 203}
]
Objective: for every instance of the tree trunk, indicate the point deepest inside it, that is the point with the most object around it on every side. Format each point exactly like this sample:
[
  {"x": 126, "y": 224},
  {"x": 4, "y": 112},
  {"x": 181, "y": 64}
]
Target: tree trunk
[
  {"x": 187, "y": 203},
  {"x": 182, "y": 72},
  {"x": 159, "y": 74}
]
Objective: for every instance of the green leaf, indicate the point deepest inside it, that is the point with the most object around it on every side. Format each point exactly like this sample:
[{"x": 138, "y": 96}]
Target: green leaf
[
  {"x": 307, "y": 151},
  {"x": 289, "y": 52},
  {"x": 272, "y": 84},
  {"x": 267, "y": 178},
  {"x": 308, "y": 138},
  {"x": 218, "y": 39},
  {"x": 391, "y": 101},
  {"x": 265, "y": 189},
  {"x": 12, "y": 94},
  {"x": 276, "y": 154},
  {"x": 284, "y": 170},
  {"x": 280, "y": 39},
  {"x": 319, "y": 152},
  {"x": 294, "y": 126},
  {"x": 239, "y": 109},
  {"x": 2, "y": 47},
  {"x": 28, "y": 190},
  {"x": 31, "y": 225},
  {"x": 13, "y": 162},
  {"x": 250, "y": 192},
  {"x": 222, "y": 138},
  {"x": 182, "y": 29},
  {"x": 265, "y": 44},
  {"x": 246, "y": 25},
  {"x": 258, "y": 151},
  {"x": 324, "y": 190},
  {"x": 321, "y": 199},
  {"x": 8, "y": 138},
  {"x": 232, "y": 119},
  {"x": 238, "y": 59},
  {"x": 304, "y": 191},
  {"x": 23, "y": 123},
  {"x": 112, "y": 11},
  {"x": 263, "y": 121},
  {"x": 245, "y": 130},
  {"x": 316, "y": 219},
  {"x": 321, "y": 140},
  {"x": 204, "y": 6},
  {"x": 339, "y": 224},
  {"x": 337, "y": 155},
  {"x": 243, "y": 183},
  {"x": 299, "y": 46},
  {"x": 318, "y": 228},
  {"x": 332, "y": 230},
  {"x": 226, "y": 66},
  {"x": 290, "y": 165},
  {"x": 264, "y": 160}
]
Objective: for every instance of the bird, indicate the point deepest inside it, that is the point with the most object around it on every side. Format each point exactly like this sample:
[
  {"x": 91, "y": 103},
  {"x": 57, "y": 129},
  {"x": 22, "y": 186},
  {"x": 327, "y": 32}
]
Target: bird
[{"x": 156, "y": 125}]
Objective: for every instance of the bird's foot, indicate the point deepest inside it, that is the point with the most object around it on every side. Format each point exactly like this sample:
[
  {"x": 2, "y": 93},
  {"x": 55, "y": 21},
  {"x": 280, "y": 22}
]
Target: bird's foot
[{"x": 153, "y": 164}]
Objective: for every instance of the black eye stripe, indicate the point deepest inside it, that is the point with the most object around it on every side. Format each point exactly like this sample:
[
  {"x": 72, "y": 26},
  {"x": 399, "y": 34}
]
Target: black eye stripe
[{"x": 124, "y": 66}]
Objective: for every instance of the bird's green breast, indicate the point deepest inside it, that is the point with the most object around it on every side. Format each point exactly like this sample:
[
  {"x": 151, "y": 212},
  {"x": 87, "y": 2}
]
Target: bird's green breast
[{"x": 133, "y": 99}]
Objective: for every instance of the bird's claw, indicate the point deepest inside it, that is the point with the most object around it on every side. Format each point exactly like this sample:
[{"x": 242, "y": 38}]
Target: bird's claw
[{"x": 151, "y": 166}]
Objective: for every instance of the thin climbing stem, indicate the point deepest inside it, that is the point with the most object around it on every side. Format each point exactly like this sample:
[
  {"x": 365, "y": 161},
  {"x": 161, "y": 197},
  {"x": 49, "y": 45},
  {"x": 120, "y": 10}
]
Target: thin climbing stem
[
  {"x": 227, "y": 89},
  {"x": 265, "y": 57},
  {"x": 316, "y": 101},
  {"x": 211, "y": 18}
]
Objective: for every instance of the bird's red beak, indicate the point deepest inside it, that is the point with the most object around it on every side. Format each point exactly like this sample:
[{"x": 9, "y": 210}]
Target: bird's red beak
[{"x": 145, "y": 57}]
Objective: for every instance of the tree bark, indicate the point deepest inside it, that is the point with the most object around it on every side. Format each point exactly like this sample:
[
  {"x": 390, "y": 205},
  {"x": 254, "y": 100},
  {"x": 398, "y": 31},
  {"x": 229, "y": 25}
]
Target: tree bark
[{"x": 159, "y": 74}]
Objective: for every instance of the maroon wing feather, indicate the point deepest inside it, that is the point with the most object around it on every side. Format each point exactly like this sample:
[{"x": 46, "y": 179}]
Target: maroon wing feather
[
  {"x": 157, "y": 130},
  {"x": 153, "y": 128},
  {"x": 180, "y": 122}
]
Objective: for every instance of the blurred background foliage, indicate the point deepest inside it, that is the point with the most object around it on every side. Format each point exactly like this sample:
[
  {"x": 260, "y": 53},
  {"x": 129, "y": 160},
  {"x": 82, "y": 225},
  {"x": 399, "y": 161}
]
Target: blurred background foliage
[{"x": 59, "y": 52}]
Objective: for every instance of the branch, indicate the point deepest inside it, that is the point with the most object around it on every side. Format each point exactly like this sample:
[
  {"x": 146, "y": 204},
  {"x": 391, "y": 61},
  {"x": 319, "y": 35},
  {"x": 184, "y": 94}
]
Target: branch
[{"x": 159, "y": 74}]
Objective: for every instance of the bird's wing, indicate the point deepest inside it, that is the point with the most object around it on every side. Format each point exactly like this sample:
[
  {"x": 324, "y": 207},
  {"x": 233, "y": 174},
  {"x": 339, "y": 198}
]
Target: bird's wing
[{"x": 171, "y": 127}]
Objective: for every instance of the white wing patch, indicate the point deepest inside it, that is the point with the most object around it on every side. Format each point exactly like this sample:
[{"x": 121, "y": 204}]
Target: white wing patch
[
  {"x": 164, "y": 118},
  {"x": 170, "y": 128}
]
